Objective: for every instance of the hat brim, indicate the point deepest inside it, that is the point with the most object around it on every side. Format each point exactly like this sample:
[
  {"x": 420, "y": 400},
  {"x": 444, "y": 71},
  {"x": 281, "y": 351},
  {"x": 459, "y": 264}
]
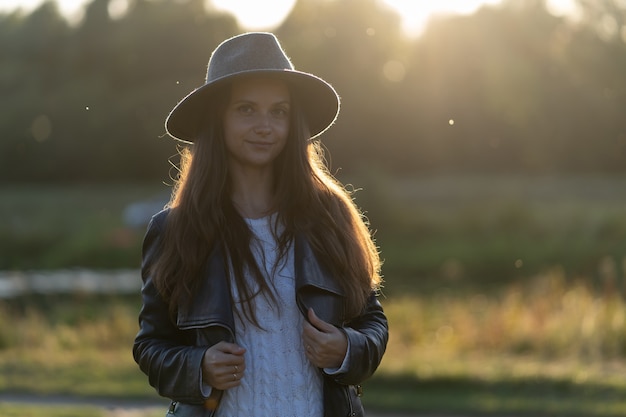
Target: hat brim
[{"x": 318, "y": 99}]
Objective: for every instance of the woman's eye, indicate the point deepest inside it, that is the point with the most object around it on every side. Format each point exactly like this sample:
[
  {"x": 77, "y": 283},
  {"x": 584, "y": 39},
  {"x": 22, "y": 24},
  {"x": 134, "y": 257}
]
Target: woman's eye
[
  {"x": 280, "y": 112},
  {"x": 245, "y": 109}
]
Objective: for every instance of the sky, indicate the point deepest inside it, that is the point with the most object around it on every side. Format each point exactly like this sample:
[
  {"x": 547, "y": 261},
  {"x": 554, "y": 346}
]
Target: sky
[{"x": 256, "y": 15}]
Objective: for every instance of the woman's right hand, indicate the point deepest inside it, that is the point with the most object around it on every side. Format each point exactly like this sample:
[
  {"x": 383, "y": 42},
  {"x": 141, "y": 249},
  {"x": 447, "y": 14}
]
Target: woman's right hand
[{"x": 223, "y": 365}]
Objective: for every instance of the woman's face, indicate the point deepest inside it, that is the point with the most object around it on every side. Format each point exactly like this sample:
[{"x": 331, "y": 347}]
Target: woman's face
[{"x": 256, "y": 122}]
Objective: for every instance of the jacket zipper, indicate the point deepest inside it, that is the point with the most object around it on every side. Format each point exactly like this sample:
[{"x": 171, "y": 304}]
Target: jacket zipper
[{"x": 350, "y": 407}]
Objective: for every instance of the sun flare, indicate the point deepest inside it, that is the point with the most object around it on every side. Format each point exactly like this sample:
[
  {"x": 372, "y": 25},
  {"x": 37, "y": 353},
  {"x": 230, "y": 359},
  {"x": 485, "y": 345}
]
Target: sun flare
[
  {"x": 415, "y": 14},
  {"x": 254, "y": 14},
  {"x": 258, "y": 15}
]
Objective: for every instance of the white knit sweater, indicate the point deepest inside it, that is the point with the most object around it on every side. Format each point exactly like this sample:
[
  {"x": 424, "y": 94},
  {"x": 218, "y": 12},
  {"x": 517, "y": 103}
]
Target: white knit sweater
[{"x": 279, "y": 381}]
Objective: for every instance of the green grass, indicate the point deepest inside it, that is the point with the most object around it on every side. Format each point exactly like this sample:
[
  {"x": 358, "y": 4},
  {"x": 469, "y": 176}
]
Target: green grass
[
  {"x": 477, "y": 228},
  {"x": 75, "y": 344},
  {"x": 60, "y": 226},
  {"x": 486, "y": 230},
  {"x": 548, "y": 348},
  {"x": 520, "y": 397}
]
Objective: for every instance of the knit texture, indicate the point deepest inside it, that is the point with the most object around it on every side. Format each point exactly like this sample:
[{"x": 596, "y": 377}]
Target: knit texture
[{"x": 279, "y": 380}]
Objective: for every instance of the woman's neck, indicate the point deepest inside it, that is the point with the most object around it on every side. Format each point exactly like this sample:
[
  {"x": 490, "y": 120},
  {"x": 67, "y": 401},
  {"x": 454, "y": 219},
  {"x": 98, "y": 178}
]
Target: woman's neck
[{"x": 253, "y": 193}]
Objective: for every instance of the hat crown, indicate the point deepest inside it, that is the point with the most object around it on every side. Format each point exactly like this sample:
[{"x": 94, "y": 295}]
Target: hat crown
[{"x": 248, "y": 52}]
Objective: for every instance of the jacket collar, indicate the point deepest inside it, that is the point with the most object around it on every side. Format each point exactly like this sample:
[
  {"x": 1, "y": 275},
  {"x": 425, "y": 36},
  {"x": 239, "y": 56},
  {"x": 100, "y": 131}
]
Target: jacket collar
[
  {"x": 211, "y": 304},
  {"x": 309, "y": 272}
]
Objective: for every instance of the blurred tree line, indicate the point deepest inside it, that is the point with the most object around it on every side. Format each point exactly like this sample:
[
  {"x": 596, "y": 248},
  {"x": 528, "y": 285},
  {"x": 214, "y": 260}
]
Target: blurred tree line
[{"x": 510, "y": 88}]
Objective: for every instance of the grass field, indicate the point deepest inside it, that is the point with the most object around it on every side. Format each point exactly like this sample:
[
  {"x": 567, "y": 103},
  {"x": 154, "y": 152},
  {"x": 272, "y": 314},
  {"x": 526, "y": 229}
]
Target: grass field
[
  {"x": 560, "y": 353},
  {"x": 492, "y": 230},
  {"x": 505, "y": 295}
]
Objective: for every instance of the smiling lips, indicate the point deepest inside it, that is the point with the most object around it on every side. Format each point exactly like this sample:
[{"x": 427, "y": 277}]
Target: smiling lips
[{"x": 260, "y": 143}]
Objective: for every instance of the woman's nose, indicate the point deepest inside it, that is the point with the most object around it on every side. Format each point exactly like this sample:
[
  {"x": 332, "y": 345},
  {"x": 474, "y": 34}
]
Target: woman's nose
[{"x": 263, "y": 126}]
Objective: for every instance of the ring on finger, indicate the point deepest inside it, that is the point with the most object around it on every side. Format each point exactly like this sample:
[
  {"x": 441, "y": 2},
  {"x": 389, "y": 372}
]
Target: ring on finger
[
  {"x": 236, "y": 369},
  {"x": 234, "y": 377}
]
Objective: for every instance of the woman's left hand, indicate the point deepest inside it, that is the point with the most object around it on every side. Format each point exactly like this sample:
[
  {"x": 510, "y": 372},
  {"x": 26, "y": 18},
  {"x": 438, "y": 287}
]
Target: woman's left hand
[{"x": 325, "y": 345}]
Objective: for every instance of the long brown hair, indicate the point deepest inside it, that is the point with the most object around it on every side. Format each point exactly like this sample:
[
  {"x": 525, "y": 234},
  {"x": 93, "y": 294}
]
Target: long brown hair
[{"x": 310, "y": 202}]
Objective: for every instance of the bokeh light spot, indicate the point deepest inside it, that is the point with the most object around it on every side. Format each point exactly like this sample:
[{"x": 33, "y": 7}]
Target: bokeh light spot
[
  {"x": 444, "y": 334},
  {"x": 394, "y": 71},
  {"x": 117, "y": 8}
]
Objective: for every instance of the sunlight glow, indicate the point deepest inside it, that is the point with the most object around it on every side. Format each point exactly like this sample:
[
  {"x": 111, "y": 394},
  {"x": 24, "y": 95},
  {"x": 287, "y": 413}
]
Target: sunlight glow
[
  {"x": 254, "y": 14},
  {"x": 415, "y": 14},
  {"x": 259, "y": 15},
  {"x": 117, "y": 8},
  {"x": 73, "y": 10}
]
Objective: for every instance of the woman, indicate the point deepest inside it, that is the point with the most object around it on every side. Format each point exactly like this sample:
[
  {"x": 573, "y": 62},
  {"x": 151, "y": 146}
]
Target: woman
[{"x": 260, "y": 277}]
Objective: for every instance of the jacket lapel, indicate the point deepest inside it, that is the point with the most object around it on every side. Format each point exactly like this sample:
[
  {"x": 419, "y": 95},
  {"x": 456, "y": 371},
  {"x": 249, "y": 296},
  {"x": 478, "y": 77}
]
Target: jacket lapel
[
  {"x": 315, "y": 287},
  {"x": 210, "y": 304},
  {"x": 309, "y": 272}
]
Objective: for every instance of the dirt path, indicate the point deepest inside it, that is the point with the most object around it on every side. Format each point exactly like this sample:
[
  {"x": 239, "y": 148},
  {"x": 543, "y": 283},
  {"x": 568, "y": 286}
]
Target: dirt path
[
  {"x": 125, "y": 408},
  {"x": 112, "y": 406}
]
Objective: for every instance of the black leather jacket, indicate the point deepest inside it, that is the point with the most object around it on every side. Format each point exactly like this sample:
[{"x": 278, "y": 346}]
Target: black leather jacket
[{"x": 170, "y": 353}]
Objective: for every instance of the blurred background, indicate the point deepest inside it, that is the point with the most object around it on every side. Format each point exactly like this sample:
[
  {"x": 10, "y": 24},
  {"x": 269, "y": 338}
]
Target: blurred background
[{"x": 485, "y": 141}]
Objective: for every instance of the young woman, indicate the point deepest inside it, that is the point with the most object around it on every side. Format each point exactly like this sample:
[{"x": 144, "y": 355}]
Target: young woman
[{"x": 260, "y": 277}]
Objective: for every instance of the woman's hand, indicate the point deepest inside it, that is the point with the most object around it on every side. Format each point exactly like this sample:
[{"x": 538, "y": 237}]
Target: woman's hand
[
  {"x": 325, "y": 345},
  {"x": 223, "y": 365}
]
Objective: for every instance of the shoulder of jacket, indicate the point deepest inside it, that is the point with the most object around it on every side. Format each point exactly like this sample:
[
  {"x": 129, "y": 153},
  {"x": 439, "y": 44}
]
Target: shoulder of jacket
[{"x": 159, "y": 218}]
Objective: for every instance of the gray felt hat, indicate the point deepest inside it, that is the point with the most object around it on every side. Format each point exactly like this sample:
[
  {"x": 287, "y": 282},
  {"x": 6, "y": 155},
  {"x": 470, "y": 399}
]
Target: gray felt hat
[{"x": 255, "y": 53}]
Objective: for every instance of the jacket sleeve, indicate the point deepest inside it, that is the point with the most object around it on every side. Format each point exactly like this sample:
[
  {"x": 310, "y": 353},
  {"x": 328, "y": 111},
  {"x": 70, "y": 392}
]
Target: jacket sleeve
[
  {"x": 162, "y": 351},
  {"x": 367, "y": 336}
]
